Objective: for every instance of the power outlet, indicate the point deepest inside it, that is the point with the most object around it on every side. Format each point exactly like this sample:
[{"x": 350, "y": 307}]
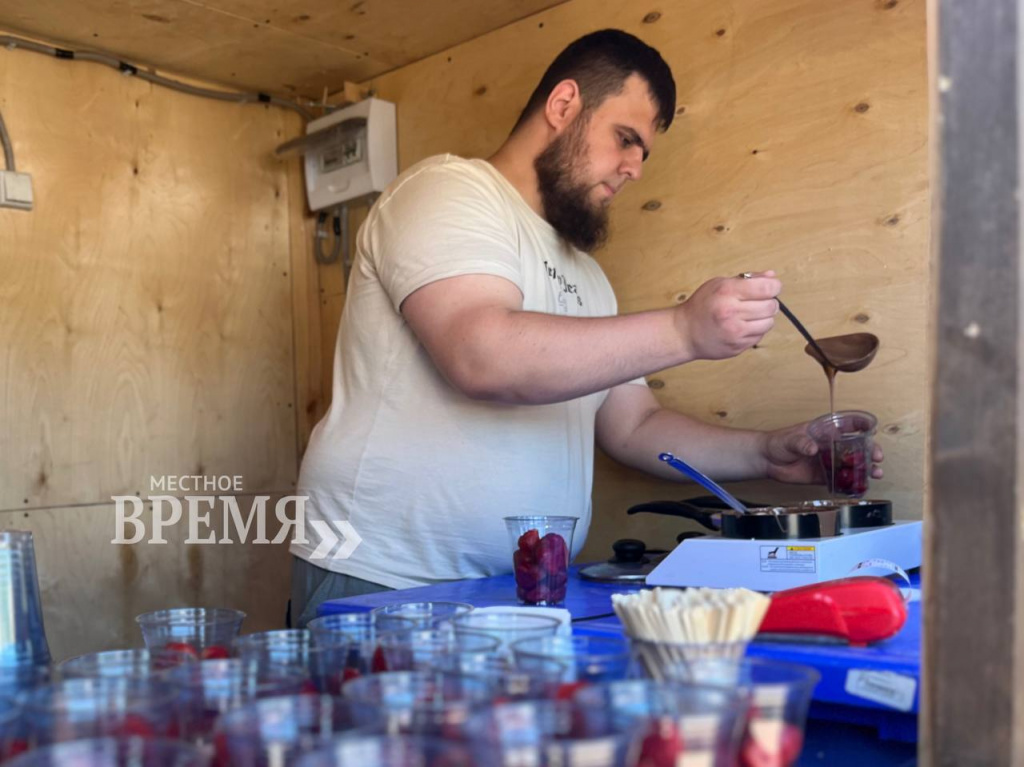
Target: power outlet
[{"x": 15, "y": 190}]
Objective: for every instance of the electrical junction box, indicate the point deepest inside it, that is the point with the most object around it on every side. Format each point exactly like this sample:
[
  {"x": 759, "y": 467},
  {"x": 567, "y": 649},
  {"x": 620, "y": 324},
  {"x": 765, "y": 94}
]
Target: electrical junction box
[
  {"x": 15, "y": 190},
  {"x": 350, "y": 153}
]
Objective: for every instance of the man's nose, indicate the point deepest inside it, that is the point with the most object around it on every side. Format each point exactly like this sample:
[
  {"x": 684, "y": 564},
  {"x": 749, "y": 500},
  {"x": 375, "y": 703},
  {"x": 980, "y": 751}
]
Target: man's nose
[{"x": 632, "y": 166}]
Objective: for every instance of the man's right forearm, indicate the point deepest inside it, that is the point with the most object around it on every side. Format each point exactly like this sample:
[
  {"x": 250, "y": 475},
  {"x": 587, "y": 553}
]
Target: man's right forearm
[{"x": 522, "y": 357}]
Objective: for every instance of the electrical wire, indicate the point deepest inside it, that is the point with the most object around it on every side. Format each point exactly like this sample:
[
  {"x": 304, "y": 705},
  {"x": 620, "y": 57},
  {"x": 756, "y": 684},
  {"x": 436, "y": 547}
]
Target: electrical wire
[
  {"x": 321, "y": 235},
  {"x": 5, "y": 141},
  {"x": 124, "y": 67}
]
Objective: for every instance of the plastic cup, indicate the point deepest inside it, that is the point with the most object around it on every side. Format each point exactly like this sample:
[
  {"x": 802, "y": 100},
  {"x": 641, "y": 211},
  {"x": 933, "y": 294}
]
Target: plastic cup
[
  {"x": 22, "y": 636},
  {"x": 359, "y": 635},
  {"x": 667, "y": 661},
  {"x": 509, "y": 627},
  {"x": 205, "y": 691},
  {"x": 114, "y": 752},
  {"x": 324, "y": 661},
  {"x": 275, "y": 731},
  {"x": 419, "y": 702},
  {"x": 425, "y": 615},
  {"x": 547, "y": 734},
  {"x": 506, "y": 682},
  {"x": 779, "y": 694},
  {"x": 679, "y": 723},
  {"x": 13, "y": 736},
  {"x": 845, "y": 442},
  {"x": 586, "y": 659},
  {"x": 420, "y": 649},
  {"x": 388, "y": 752},
  {"x": 208, "y": 633},
  {"x": 122, "y": 663},
  {"x": 541, "y": 549},
  {"x": 21, "y": 679},
  {"x": 106, "y": 707}
]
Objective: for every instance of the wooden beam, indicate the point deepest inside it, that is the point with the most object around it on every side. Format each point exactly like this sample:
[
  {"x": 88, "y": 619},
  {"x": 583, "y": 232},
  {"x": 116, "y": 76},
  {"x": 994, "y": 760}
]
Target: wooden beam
[{"x": 972, "y": 568}]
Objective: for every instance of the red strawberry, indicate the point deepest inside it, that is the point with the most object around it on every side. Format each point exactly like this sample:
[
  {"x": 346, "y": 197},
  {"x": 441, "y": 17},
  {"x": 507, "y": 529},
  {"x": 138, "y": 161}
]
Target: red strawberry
[
  {"x": 662, "y": 746},
  {"x": 567, "y": 690},
  {"x": 182, "y": 648},
  {"x": 351, "y": 673},
  {"x": 215, "y": 652},
  {"x": 379, "y": 662},
  {"x": 134, "y": 725},
  {"x": 529, "y": 540}
]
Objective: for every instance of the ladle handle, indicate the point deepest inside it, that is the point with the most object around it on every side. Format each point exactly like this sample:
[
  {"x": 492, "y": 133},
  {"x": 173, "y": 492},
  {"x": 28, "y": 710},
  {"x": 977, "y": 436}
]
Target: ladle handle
[
  {"x": 803, "y": 331},
  {"x": 703, "y": 480}
]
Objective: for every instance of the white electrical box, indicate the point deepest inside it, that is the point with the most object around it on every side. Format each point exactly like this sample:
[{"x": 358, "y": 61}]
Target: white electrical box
[
  {"x": 350, "y": 153},
  {"x": 15, "y": 190}
]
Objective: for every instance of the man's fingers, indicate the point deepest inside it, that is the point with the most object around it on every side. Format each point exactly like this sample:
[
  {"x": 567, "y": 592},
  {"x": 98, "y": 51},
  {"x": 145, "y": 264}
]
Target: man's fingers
[
  {"x": 758, "y": 310},
  {"x": 757, "y": 288}
]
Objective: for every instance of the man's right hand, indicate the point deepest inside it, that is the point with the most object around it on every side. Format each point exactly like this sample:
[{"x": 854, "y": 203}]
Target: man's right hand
[{"x": 728, "y": 315}]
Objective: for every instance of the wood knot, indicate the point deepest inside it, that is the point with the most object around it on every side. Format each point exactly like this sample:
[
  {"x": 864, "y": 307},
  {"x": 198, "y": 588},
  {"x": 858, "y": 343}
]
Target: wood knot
[
  {"x": 892, "y": 220},
  {"x": 755, "y": 151},
  {"x": 652, "y": 17},
  {"x": 720, "y": 32},
  {"x": 358, "y": 8},
  {"x": 861, "y": 318},
  {"x": 154, "y": 17},
  {"x": 888, "y": 5},
  {"x": 651, "y": 205},
  {"x": 656, "y": 383},
  {"x": 720, "y": 228},
  {"x": 480, "y": 91},
  {"x": 893, "y": 428},
  {"x": 680, "y": 297},
  {"x": 302, "y": 17},
  {"x": 681, "y": 110},
  {"x": 722, "y": 413},
  {"x": 862, "y": 107}
]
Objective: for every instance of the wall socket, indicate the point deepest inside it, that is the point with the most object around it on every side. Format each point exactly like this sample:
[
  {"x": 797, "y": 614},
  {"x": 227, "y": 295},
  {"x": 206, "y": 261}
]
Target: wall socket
[{"x": 15, "y": 190}]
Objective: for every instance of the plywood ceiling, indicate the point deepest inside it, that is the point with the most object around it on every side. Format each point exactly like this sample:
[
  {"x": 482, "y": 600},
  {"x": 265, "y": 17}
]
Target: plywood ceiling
[{"x": 285, "y": 47}]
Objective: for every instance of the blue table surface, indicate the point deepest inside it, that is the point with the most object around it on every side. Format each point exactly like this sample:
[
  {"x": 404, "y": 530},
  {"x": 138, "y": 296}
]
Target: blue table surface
[{"x": 589, "y": 603}]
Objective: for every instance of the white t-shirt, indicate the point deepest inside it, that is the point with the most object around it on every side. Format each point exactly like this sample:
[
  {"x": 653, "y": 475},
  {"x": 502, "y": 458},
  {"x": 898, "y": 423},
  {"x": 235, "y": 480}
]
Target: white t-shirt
[{"x": 423, "y": 473}]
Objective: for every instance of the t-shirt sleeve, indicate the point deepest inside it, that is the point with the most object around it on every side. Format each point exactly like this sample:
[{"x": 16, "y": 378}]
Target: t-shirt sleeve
[{"x": 441, "y": 222}]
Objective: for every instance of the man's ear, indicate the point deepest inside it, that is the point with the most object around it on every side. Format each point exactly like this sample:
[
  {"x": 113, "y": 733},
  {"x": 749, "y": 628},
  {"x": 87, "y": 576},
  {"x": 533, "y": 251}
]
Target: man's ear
[{"x": 563, "y": 106}]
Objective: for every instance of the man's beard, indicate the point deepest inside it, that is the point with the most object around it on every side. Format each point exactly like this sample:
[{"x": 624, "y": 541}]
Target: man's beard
[{"x": 564, "y": 194}]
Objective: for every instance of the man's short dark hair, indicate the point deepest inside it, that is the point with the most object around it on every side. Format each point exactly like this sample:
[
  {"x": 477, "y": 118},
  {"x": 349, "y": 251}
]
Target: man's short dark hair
[{"x": 600, "y": 63}]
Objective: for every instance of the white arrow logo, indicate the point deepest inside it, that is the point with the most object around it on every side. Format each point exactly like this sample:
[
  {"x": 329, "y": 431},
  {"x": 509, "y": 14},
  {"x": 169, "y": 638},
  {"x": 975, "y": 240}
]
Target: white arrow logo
[{"x": 328, "y": 540}]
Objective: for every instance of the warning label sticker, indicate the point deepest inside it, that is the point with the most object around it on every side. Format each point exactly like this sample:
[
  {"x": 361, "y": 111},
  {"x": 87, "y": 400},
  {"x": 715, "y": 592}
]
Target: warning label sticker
[{"x": 788, "y": 559}]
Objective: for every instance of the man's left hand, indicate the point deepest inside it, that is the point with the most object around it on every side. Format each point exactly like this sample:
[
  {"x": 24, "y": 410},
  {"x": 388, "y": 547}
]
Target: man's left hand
[{"x": 792, "y": 456}]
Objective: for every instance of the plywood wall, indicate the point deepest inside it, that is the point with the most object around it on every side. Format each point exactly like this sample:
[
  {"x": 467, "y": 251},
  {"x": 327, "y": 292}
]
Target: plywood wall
[
  {"x": 800, "y": 145},
  {"x": 146, "y": 330}
]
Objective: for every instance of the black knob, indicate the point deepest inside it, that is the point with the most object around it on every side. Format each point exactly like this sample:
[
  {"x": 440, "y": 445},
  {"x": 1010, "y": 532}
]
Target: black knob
[{"x": 628, "y": 550}]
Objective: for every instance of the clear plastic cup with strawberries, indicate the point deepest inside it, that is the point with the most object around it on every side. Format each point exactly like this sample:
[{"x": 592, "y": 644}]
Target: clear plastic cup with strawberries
[
  {"x": 541, "y": 549},
  {"x": 845, "y": 442}
]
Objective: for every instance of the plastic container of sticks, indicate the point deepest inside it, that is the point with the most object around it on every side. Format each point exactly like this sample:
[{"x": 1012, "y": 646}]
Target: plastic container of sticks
[{"x": 669, "y": 628}]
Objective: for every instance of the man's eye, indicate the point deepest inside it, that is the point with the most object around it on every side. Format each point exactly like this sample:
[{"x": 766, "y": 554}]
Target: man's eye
[{"x": 627, "y": 142}]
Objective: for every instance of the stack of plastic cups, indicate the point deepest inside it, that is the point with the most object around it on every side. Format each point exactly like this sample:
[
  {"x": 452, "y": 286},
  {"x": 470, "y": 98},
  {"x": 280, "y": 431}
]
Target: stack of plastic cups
[
  {"x": 22, "y": 636},
  {"x": 509, "y": 627}
]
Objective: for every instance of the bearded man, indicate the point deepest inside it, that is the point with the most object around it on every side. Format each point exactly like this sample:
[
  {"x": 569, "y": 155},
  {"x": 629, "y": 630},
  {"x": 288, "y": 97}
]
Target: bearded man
[{"x": 481, "y": 354}]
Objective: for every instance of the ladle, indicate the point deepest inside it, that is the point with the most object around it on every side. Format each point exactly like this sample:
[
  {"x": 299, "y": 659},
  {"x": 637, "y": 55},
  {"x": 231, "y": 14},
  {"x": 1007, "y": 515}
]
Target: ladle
[{"x": 845, "y": 354}]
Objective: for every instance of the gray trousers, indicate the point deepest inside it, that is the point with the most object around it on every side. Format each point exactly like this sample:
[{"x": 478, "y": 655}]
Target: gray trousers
[{"x": 312, "y": 585}]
